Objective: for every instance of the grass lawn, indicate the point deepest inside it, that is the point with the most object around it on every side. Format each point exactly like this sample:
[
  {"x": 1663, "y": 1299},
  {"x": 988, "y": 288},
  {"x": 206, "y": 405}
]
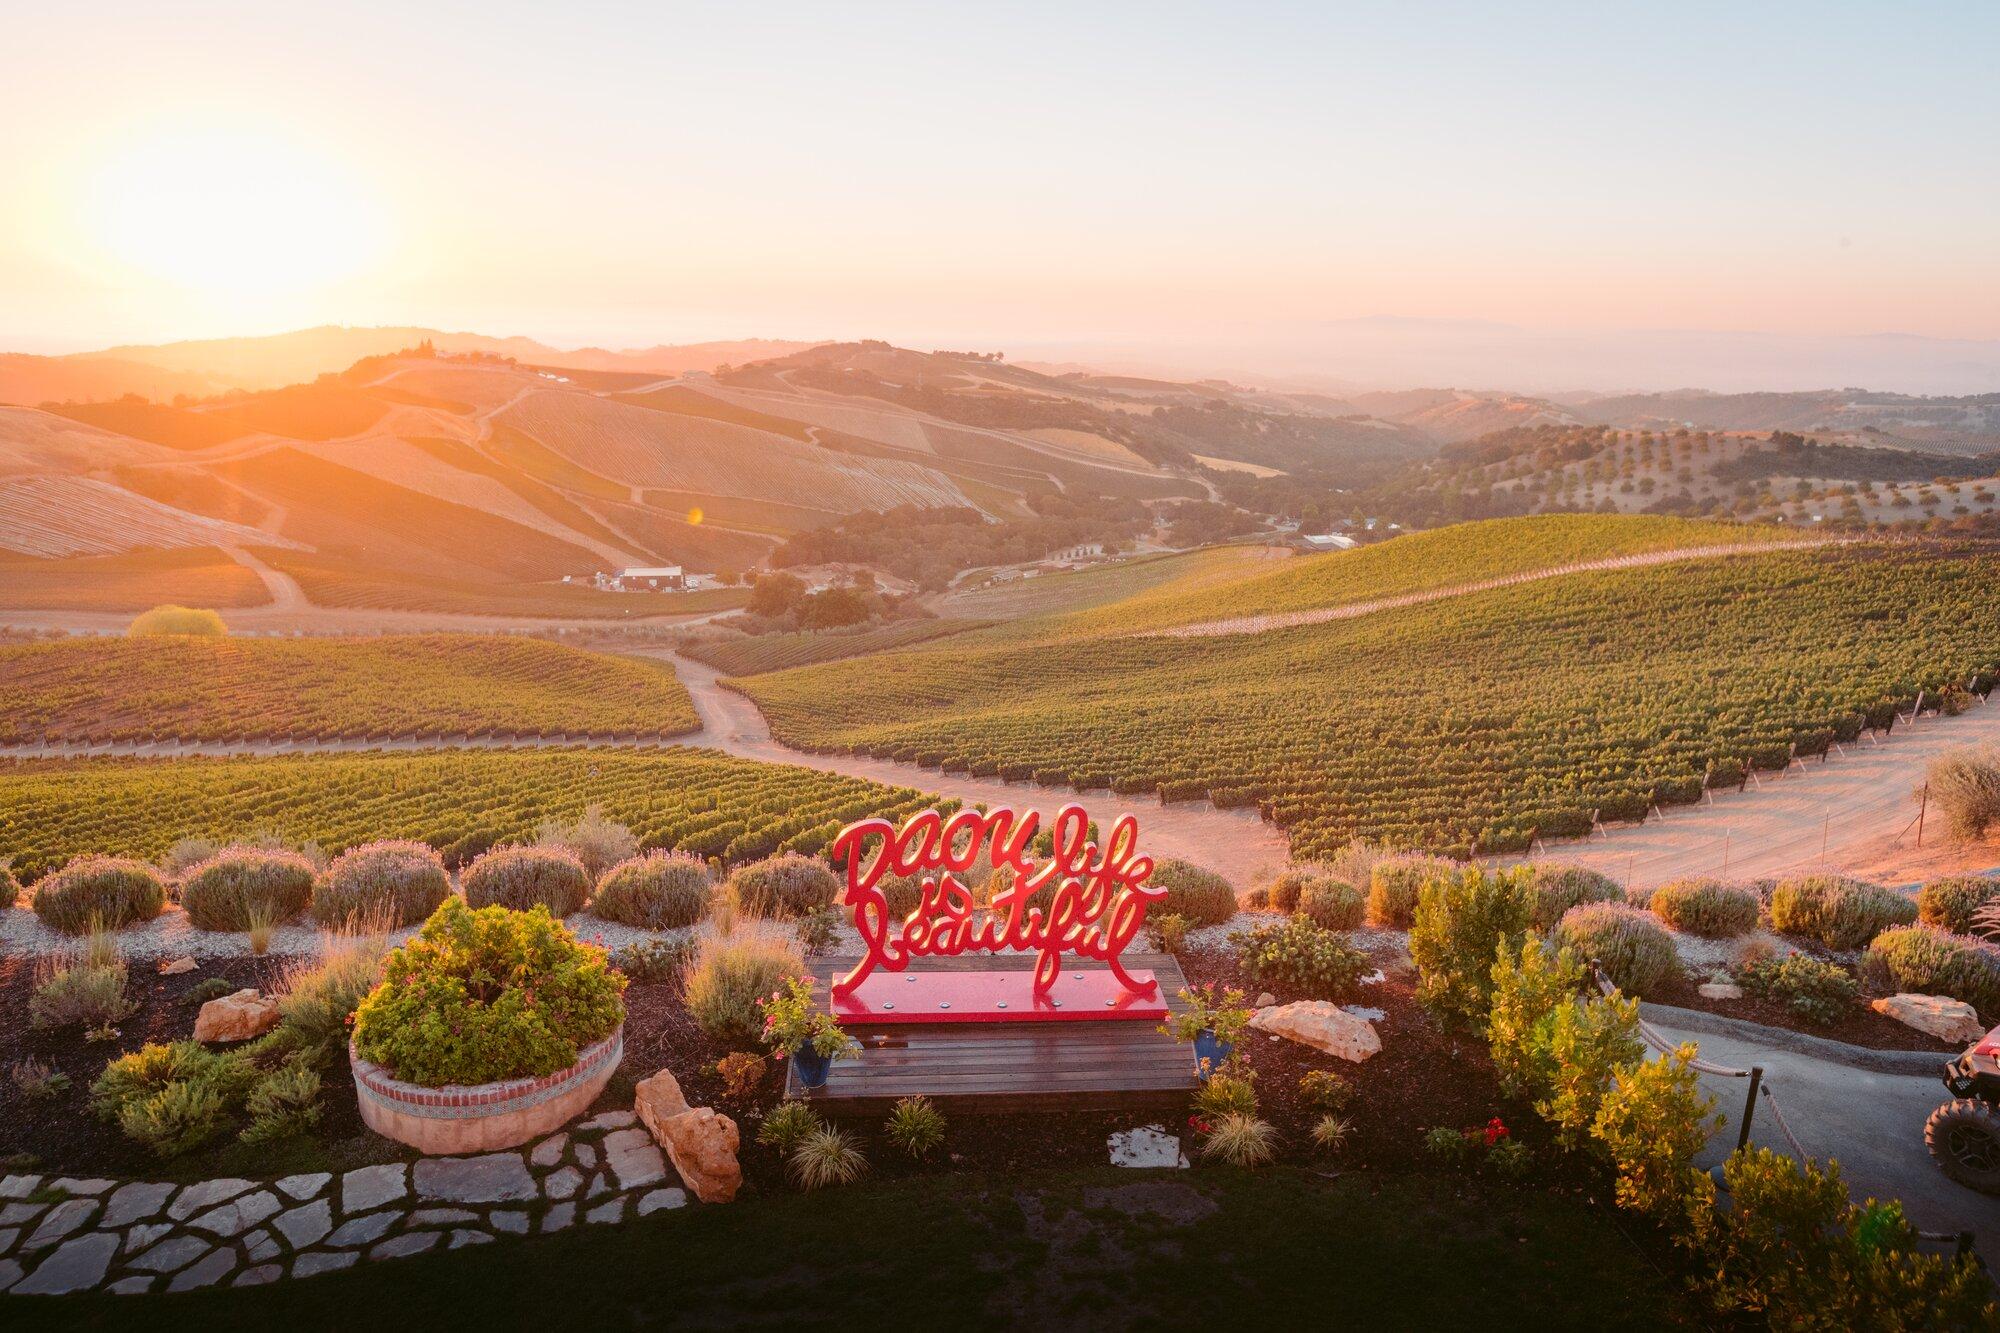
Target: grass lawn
[{"x": 1213, "y": 1248}]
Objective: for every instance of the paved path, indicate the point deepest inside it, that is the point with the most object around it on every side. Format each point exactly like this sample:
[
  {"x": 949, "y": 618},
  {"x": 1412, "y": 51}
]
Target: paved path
[
  {"x": 1210, "y": 629},
  {"x": 1838, "y": 813},
  {"x": 1871, "y": 1122}
]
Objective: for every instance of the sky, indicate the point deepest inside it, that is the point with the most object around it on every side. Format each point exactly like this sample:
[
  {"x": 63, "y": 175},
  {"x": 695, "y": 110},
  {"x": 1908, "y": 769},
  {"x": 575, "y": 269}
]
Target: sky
[{"x": 995, "y": 175}]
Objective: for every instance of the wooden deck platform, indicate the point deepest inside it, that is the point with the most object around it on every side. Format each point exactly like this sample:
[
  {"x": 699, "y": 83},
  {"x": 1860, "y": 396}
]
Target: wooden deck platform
[{"x": 1010, "y": 1067}]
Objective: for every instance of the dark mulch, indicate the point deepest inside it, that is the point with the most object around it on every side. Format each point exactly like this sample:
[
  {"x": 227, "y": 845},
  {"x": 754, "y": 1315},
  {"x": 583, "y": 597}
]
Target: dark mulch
[{"x": 1861, "y": 1027}]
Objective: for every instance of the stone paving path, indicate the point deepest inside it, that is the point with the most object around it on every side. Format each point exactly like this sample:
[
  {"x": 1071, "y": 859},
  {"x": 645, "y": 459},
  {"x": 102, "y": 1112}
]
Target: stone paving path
[{"x": 64, "y": 1234}]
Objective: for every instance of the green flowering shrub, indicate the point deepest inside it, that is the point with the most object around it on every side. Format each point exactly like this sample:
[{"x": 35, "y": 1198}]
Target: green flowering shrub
[
  {"x": 1818, "y": 992},
  {"x": 1463, "y": 919},
  {"x": 242, "y": 886},
  {"x": 1559, "y": 887},
  {"x": 1630, "y": 946},
  {"x": 1528, "y": 988},
  {"x": 482, "y": 995},
  {"x": 657, "y": 891},
  {"x": 1950, "y": 903},
  {"x": 1933, "y": 962},
  {"x": 394, "y": 882},
  {"x": 1839, "y": 913},
  {"x": 1707, "y": 907},
  {"x": 1202, "y": 896},
  {"x": 1332, "y": 904},
  {"x": 1394, "y": 883},
  {"x": 1300, "y": 958},
  {"x": 785, "y": 886},
  {"x": 173, "y": 1099},
  {"x": 525, "y": 877},
  {"x": 1652, "y": 1121},
  {"x": 94, "y": 892}
]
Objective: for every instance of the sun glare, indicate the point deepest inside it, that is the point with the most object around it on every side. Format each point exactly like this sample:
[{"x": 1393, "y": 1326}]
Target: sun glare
[{"x": 230, "y": 214}]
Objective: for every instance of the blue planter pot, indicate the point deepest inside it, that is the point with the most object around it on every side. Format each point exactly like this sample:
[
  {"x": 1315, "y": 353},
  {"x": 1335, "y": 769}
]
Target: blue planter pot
[
  {"x": 812, "y": 1066},
  {"x": 1209, "y": 1053}
]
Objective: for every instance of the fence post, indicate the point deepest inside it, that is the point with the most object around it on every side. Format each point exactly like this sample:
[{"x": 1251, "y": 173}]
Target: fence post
[
  {"x": 1922, "y": 810},
  {"x": 1749, "y": 1107}
]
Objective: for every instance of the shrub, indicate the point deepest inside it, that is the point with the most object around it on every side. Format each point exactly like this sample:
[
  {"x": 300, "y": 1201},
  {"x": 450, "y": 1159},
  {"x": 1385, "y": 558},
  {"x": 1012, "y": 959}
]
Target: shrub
[
  {"x": 657, "y": 891},
  {"x": 486, "y": 994},
  {"x": 178, "y": 621},
  {"x": 903, "y": 893},
  {"x": 1202, "y": 896},
  {"x": 742, "y": 1073},
  {"x": 1395, "y": 883},
  {"x": 827, "y": 1157},
  {"x": 1240, "y": 1140},
  {"x": 38, "y": 1080},
  {"x": 1168, "y": 932},
  {"x": 99, "y": 891},
  {"x": 1965, "y": 787},
  {"x": 1559, "y": 887},
  {"x": 1449, "y": 1146},
  {"x": 1324, "y": 1090},
  {"x": 1462, "y": 921},
  {"x": 240, "y": 887},
  {"x": 731, "y": 977},
  {"x": 79, "y": 995},
  {"x": 1631, "y": 948},
  {"x": 785, "y": 886},
  {"x": 1707, "y": 907},
  {"x": 1653, "y": 1121},
  {"x": 1299, "y": 957},
  {"x": 1952, "y": 902},
  {"x": 915, "y": 1126},
  {"x": 819, "y": 931},
  {"x": 525, "y": 877},
  {"x": 787, "y": 1125},
  {"x": 283, "y": 1105},
  {"x": 1226, "y": 1094},
  {"x": 1283, "y": 893},
  {"x": 1528, "y": 988},
  {"x": 318, "y": 996},
  {"x": 1334, "y": 905},
  {"x": 390, "y": 883},
  {"x": 1794, "y": 1249},
  {"x": 208, "y": 988},
  {"x": 598, "y": 842},
  {"x": 1818, "y": 992},
  {"x": 1932, "y": 962},
  {"x": 10, "y": 887},
  {"x": 1589, "y": 1040},
  {"x": 173, "y": 1098},
  {"x": 1331, "y": 1131},
  {"x": 1839, "y": 913},
  {"x": 653, "y": 962},
  {"x": 1510, "y": 1159}
]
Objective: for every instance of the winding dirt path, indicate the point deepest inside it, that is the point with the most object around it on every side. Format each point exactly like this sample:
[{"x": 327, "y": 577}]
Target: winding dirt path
[{"x": 1211, "y": 629}]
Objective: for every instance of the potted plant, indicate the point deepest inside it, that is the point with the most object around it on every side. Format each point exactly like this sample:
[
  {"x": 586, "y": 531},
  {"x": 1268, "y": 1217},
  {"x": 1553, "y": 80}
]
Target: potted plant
[
  {"x": 1214, "y": 1021},
  {"x": 490, "y": 1027},
  {"x": 796, "y": 1027}
]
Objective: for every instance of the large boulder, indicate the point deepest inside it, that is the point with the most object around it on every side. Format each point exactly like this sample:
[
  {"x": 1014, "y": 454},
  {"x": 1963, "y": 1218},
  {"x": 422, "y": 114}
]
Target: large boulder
[
  {"x": 1322, "y": 1025},
  {"x": 237, "y": 1017},
  {"x": 701, "y": 1143},
  {"x": 1946, "y": 1019}
]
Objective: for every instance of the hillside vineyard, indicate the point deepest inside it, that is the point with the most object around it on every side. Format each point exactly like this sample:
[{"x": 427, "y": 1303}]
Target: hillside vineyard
[
  {"x": 1472, "y": 723},
  {"x": 461, "y": 803}
]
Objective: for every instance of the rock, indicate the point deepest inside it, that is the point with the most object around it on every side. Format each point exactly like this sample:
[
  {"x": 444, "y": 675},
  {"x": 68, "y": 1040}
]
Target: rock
[
  {"x": 239, "y": 1215},
  {"x": 1146, "y": 1146},
  {"x": 369, "y": 1187},
  {"x": 139, "y": 1237},
  {"x": 237, "y": 1017},
  {"x": 415, "y": 1242},
  {"x": 361, "y": 1230},
  {"x": 549, "y": 1151},
  {"x": 78, "y": 1264},
  {"x": 657, "y": 1100},
  {"x": 461, "y": 1239},
  {"x": 259, "y": 1246},
  {"x": 614, "y": 1211},
  {"x": 661, "y": 1200},
  {"x": 16, "y": 1213},
  {"x": 207, "y": 1194},
  {"x": 258, "y": 1276},
  {"x": 8, "y": 1235},
  {"x": 561, "y": 1184},
  {"x": 206, "y": 1273},
  {"x": 441, "y": 1217},
  {"x": 19, "y": 1187},
  {"x": 599, "y": 1186},
  {"x": 610, "y": 1119},
  {"x": 702, "y": 1145},
  {"x": 558, "y": 1218},
  {"x": 173, "y": 967},
  {"x": 135, "y": 1202},
  {"x": 311, "y": 1265},
  {"x": 306, "y": 1186},
  {"x": 499, "y": 1177},
  {"x": 306, "y": 1224},
  {"x": 10, "y": 1273},
  {"x": 1265, "y": 1000},
  {"x": 65, "y": 1217},
  {"x": 510, "y": 1220},
  {"x": 171, "y": 1256},
  {"x": 1322, "y": 1025},
  {"x": 1946, "y": 1019},
  {"x": 131, "y": 1286},
  {"x": 1375, "y": 978},
  {"x": 73, "y": 1187},
  {"x": 586, "y": 1154},
  {"x": 1720, "y": 990}
]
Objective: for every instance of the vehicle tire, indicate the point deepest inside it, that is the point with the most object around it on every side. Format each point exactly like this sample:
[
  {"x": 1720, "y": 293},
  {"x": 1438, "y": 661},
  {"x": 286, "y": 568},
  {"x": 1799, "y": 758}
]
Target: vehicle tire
[{"x": 1964, "y": 1137}]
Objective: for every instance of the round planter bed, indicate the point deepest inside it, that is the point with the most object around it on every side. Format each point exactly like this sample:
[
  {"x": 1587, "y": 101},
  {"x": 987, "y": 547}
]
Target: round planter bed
[{"x": 487, "y": 1116}]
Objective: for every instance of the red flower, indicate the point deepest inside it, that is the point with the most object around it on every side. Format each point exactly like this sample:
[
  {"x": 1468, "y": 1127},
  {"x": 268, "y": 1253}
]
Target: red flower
[{"x": 1496, "y": 1130}]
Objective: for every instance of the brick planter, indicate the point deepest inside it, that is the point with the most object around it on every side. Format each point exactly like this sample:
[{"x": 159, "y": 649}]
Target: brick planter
[{"x": 452, "y": 1120}]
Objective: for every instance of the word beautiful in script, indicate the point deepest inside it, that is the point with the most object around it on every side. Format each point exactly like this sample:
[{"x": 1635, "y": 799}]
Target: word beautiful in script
[{"x": 1094, "y": 905}]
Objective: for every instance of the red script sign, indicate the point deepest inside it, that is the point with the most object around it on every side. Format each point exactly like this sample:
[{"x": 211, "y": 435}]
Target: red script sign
[{"x": 1088, "y": 902}]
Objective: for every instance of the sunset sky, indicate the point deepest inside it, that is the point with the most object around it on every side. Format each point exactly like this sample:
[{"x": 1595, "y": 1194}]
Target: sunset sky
[{"x": 947, "y": 174}]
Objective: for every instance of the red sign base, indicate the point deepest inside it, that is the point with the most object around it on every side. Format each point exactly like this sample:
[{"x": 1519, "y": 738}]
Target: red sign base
[{"x": 996, "y": 997}]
